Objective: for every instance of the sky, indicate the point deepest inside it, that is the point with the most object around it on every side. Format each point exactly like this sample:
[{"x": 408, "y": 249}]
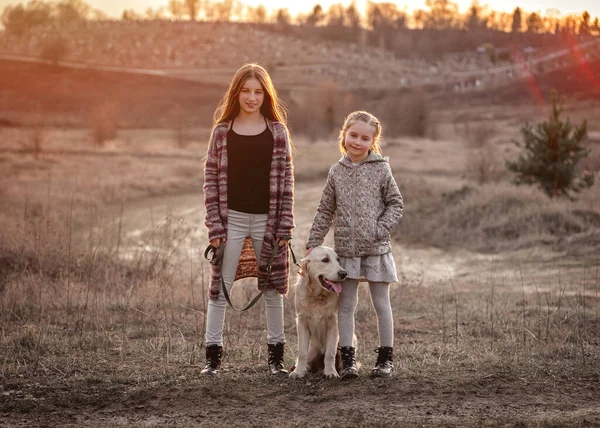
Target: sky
[{"x": 115, "y": 7}]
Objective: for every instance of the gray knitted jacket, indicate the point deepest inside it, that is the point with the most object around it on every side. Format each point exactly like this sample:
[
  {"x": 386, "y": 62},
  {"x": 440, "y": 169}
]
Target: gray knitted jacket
[{"x": 364, "y": 204}]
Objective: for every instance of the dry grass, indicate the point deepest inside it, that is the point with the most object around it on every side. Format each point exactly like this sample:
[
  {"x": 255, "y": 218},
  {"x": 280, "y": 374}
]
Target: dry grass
[{"x": 103, "y": 293}]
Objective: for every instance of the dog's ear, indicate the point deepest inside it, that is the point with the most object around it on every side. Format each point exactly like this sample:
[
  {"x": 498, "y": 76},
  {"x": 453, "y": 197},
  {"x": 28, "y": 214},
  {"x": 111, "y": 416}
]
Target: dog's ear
[{"x": 304, "y": 265}]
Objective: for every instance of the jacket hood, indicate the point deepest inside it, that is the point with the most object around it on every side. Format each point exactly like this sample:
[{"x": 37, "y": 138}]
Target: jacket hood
[{"x": 373, "y": 157}]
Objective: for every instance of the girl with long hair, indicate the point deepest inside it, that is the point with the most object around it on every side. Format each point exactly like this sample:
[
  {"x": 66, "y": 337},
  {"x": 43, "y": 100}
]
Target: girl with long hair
[{"x": 248, "y": 194}]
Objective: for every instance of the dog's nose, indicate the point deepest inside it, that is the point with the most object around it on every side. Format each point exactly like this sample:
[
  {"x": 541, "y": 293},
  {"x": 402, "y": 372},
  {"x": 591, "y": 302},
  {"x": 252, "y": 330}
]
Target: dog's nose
[{"x": 342, "y": 274}]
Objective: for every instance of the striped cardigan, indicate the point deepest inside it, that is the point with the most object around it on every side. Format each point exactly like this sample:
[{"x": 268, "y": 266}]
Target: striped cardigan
[{"x": 280, "y": 220}]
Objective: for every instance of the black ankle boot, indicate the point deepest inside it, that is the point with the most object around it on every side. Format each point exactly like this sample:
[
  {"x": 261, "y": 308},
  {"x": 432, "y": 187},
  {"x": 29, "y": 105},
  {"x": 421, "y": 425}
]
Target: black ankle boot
[
  {"x": 349, "y": 370},
  {"x": 213, "y": 360},
  {"x": 384, "y": 367},
  {"x": 276, "y": 359}
]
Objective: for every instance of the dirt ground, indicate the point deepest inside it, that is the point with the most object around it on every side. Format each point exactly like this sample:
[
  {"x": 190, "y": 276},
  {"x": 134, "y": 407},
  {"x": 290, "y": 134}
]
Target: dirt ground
[
  {"x": 455, "y": 390},
  {"x": 254, "y": 400}
]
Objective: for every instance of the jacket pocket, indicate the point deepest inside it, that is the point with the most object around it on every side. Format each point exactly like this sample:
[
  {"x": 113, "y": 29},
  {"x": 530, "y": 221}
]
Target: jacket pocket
[
  {"x": 366, "y": 230},
  {"x": 342, "y": 239},
  {"x": 342, "y": 231},
  {"x": 382, "y": 233}
]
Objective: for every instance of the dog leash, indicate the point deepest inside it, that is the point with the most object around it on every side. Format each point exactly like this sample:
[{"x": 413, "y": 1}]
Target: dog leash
[
  {"x": 215, "y": 257},
  {"x": 293, "y": 255}
]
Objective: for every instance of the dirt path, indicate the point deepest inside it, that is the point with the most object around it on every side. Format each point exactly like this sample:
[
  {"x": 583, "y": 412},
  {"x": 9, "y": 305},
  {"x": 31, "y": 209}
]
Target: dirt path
[
  {"x": 143, "y": 227},
  {"x": 141, "y": 220}
]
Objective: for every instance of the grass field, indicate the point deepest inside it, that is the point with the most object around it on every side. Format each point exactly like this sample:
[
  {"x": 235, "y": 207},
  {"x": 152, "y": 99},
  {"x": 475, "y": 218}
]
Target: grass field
[{"x": 103, "y": 289}]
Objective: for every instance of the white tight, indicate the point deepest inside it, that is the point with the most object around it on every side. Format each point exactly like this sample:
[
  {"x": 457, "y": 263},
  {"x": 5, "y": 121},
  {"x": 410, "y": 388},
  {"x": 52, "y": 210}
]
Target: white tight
[
  {"x": 380, "y": 298},
  {"x": 240, "y": 226}
]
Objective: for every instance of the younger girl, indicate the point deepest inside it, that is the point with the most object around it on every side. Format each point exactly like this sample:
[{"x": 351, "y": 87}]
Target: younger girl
[
  {"x": 248, "y": 193},
  {"x": 362, "y": 200}
]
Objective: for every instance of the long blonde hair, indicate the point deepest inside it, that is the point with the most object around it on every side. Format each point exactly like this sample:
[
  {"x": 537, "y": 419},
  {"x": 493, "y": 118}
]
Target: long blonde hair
[{"x": 365, "y": 117}]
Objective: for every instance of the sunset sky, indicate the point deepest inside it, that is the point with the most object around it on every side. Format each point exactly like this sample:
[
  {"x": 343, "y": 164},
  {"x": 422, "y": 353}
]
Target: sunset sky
[{"x": 115, "y": 7}]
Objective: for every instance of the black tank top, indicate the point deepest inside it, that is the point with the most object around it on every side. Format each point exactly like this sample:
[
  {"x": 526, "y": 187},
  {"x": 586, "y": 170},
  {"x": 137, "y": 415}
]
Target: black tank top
[{"x": 248, "y": 171}]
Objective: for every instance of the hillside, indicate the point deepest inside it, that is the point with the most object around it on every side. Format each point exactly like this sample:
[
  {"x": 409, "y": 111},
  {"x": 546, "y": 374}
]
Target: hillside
[
  {"x": 69, "y": 97},
  {"x": 61, "y": 96},
  {"x": 210, "y": 52}
]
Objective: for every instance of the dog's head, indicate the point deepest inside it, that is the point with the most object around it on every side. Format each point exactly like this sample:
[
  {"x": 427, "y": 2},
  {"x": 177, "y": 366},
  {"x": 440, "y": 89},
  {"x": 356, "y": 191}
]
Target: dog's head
[{"x": 322, "y": 265}]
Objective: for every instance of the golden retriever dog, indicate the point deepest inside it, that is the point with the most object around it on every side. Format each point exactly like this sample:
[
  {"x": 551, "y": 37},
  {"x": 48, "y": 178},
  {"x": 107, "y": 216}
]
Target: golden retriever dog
[{"x": 317, "y": 313}]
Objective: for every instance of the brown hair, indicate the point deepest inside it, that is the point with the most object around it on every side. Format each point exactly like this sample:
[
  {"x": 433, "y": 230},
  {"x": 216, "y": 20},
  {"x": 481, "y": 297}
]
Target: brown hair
[
  {"x": 229, "y": 107},
  {"x": 369, "y": 119}
]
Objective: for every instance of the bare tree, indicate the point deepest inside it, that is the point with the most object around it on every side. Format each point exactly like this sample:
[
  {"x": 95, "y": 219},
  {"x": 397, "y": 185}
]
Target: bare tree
[
  {"x": 316, "y": 16},
  {"x": 283, "y": 17},
  {"x": 569, "y": 25},
  {"x": 443, "y": 14},
  {"x": 73, "y": 10},
  {"x": 385, "y": 19},
  {"x": 192, "y": 7},
  {"x": 551, "y": 20},
  {"x": 596, "y": 27},
  {"x": 223, "y": 11},
  {"x": 499, "y": 21},
  {"x": 584, "y": 23},
  {"x": 352, "y": 16},
  {"x": 152, "y": 14},
  {"x": 336, "y": 15},
  {"x": 517, "y": 20},
  {"x": 475, "y": 19},
  {"x": 130, "y": 15},
  {"x": 176, "y": 9},
  {"x": 257, "y": 14},
  {"x": 19, "y": 19},
  {"x": 534, "y": 23}
]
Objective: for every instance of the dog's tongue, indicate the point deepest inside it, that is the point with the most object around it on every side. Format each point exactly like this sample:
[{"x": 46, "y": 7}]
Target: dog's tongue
[{"x": 335, "y": 286}]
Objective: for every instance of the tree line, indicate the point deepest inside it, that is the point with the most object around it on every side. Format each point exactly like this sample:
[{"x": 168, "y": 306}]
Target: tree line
[
  {"x": 18, "y": 19},
  {"x": 438, "y": 15},
  {"x": 377, "y": 16}
]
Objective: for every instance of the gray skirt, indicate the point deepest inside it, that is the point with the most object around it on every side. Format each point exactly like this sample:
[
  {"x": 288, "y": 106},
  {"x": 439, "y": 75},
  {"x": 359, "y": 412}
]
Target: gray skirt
[{"x": 371, "y": 268}]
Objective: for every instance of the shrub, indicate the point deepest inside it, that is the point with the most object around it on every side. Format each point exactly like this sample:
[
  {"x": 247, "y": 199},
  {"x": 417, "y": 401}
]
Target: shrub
[
  {"x": 406, "y": 114},
  {"x": 181, "y": 127},
  {"x": 36, "y": 136},
  {"x": 551, "y": 154},
  {"x": 20, "y": 19},
  {"x": 54, "y": 49},
  {"x": 482, "y": 163},
  {"x": 483, "y": 166},
  {"x": 104, "y": 122}
]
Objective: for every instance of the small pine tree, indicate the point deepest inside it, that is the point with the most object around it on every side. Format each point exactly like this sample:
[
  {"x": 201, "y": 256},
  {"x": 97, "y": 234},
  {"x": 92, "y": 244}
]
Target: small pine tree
[{"x": 551, "y": 153}]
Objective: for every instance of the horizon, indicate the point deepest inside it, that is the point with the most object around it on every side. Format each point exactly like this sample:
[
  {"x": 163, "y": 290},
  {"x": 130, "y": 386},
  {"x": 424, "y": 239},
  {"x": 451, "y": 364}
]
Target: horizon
[{"x": 114, "y": 8}]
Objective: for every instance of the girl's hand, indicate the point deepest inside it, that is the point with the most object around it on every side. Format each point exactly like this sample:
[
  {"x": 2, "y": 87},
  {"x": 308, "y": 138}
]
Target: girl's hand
[
  {"x": 308, "y": 250},
  {"x": 282, "y": 242},
  {"x": 217, "y": 242}
]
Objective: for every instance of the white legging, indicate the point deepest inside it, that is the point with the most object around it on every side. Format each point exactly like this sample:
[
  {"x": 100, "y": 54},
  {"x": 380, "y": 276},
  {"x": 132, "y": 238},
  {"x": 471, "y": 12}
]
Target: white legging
[
  {"x": 380, "y": 298},
  {"x": 239, "y": 226}
]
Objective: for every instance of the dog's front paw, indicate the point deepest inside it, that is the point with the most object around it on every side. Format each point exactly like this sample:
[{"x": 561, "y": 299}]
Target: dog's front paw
[
  {"x": 331, "y": 374},
  {"x": 297, "y": 374}
]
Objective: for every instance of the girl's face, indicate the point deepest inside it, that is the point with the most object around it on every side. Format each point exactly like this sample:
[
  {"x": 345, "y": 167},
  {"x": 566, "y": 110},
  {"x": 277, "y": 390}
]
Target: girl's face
[
  {"x": 358, "y": 141},
  {"x": 251, "y": 96}
]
